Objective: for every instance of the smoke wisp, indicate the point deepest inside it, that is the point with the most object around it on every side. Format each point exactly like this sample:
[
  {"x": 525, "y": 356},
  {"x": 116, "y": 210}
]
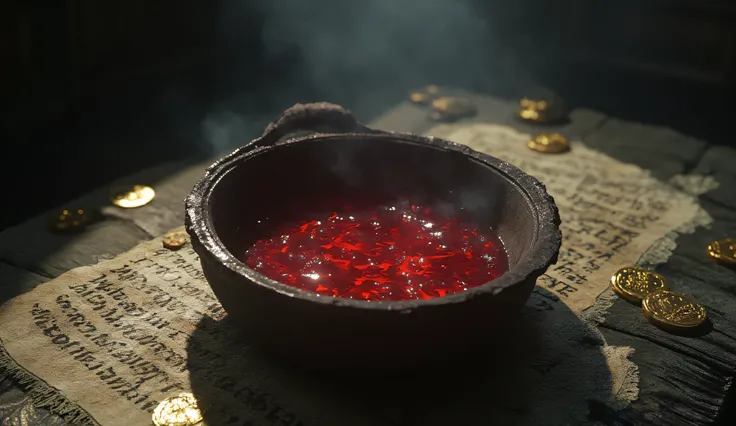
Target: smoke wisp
[{"x": 363, "y": 55}]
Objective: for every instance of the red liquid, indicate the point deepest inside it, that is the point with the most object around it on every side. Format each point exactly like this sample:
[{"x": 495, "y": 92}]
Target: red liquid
[{"x": 390, "y": 253}]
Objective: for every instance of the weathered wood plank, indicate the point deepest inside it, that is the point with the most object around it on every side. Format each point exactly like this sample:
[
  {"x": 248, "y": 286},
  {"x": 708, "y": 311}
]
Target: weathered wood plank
[
  {"x": 15, "y": 281},
  {"x": 720, "y": 163},
  {"x": 412, "y": 118},
  {"x": 167, "y": 210},
  {"x": 717, "y": 348},
  {"x": 673, "y": 390},
  {"x": 662, "y": 150},
  {"x": 404, "y": 117},
  {"x": 32, "y": 247},
  {"x": 691, "y": 271},
  {"x": 684, "y": 380}
]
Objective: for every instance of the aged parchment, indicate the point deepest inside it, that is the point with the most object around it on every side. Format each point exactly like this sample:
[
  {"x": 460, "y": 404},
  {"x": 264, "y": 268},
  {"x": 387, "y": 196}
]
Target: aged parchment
[
  {"x": 611, "y": 212},
  {"x": 106, "y": 343}
]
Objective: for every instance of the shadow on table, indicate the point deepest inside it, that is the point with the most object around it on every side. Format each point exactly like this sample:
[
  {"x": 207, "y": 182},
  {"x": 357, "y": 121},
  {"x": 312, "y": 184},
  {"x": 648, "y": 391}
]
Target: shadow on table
[{"x": 545, "y": 369}]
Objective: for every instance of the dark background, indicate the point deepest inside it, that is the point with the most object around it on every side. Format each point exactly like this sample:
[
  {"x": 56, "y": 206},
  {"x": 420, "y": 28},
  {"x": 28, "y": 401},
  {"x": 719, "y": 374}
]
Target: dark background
[{"x": 94, "y": 90}]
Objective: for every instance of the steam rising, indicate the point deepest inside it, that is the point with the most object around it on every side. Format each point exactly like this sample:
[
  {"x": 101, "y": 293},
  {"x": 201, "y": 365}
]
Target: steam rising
[
  {"x": 366, "y": 56},
  {"x": 350, "y": 45},
  {"x": 226, "y": 130},
  {"x": 363, "y": 55}
]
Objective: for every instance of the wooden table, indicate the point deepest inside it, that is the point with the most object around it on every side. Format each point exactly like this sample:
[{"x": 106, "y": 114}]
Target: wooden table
[{"x": 683, "y": 381}]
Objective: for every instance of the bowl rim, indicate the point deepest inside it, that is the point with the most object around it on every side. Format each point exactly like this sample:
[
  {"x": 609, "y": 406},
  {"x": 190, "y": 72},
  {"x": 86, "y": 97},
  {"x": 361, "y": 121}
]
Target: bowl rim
[{"x": 543, "y": 252}]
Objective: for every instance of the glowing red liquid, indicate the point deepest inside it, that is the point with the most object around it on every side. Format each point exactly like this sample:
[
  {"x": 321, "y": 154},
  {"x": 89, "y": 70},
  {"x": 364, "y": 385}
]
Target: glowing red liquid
[{"x": 390, "y": 253}]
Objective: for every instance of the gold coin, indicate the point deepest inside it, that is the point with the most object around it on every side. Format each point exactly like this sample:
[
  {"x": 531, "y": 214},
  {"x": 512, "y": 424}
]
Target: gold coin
[
  {"x": 529, "y": 104},
  {"x": 668, "y": 309},
  {"x": 549, "y": 143},
  {"x": 174, "y": 240},
  {"x": 179, "y": 410},
  {"x": 633, "y": 284},
  {"x": 69, "y": 220},
  {"x": 529, "y": 114},
  {"x": 454, "y": 107},
  {"x": 723, "y": 250},
  {"x": 137, "y": 196},
  {"x": 541, "y": 111}
]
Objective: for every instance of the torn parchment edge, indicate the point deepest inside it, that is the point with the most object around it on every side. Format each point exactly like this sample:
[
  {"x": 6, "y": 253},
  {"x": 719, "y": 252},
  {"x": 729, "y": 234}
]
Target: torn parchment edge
[
  {"x": 625, "y": 384},
  {"x": 627, "y": 387},
  {"x": 154, "y": 222},
  {"x": 661, "y": 250},
  {"x": 41, "y": 393}
]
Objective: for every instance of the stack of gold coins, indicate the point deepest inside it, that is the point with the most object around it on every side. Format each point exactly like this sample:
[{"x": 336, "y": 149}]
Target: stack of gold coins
[
  {"x": 133, "y": 196},
  {"x": 541, "y": 111},
  {"x": 175, "y": 240},
  {"x": 671, "y": 311},
  {"x": 549, "y": 143}
]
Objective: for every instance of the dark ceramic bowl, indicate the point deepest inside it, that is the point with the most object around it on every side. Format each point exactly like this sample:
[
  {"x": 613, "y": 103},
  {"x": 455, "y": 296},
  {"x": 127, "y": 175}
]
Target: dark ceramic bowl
[{"x": 250, "y": 190}]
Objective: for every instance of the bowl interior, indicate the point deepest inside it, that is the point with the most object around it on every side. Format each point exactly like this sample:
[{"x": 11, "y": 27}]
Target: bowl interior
[{"x": 285, "y": 182}]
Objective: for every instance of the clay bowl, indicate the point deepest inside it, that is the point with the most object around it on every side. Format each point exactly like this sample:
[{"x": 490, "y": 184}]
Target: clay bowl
[{"x": 275, "y": 175}]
